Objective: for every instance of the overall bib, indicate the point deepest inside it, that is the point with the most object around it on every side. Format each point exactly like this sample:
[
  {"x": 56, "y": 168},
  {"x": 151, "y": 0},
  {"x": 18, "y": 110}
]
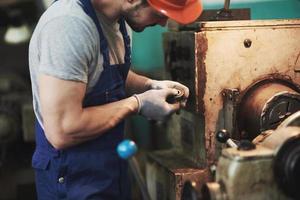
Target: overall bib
[{"x": 91, "y": 170}]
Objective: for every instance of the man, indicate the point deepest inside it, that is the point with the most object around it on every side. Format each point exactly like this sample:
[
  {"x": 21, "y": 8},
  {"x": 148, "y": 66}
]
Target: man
[{"x": 79, "y": 58}]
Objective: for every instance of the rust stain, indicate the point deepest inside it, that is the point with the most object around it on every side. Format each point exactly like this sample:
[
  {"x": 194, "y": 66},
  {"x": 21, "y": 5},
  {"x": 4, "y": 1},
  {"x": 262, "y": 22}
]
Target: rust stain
[
  {"x": 210, "y": 148},
  {"x": 201, "y": 47}
]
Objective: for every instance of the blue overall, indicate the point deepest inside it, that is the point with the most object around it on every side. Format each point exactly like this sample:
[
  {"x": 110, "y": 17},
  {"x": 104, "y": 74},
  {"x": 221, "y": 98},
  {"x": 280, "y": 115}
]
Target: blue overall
[{"x": 91, "y": 170}]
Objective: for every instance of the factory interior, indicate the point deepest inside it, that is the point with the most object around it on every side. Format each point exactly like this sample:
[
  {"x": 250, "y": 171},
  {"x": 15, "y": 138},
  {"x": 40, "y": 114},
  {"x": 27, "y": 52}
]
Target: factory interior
[{"x": 238, "y": 138}]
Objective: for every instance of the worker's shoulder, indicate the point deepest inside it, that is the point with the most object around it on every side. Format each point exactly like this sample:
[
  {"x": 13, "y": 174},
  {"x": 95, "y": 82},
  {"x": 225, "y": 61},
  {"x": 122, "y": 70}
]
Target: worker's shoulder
[{"x": 66, "y": 14}]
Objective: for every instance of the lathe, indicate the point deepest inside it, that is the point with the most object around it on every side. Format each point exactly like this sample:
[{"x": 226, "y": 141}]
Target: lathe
[{"x": 244, "y": 80}]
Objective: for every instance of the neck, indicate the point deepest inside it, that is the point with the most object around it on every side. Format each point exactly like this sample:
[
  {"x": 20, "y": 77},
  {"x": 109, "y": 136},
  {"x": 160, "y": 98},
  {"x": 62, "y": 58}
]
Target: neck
[{"x": 110, "y": 9}]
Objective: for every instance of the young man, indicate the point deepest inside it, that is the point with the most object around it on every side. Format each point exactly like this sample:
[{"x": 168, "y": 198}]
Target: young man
[{"x": 79, "y": 58}]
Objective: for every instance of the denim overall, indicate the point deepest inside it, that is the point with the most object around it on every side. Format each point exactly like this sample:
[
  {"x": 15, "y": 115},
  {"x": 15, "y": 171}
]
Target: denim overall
[{"x": 91, "y": 170}]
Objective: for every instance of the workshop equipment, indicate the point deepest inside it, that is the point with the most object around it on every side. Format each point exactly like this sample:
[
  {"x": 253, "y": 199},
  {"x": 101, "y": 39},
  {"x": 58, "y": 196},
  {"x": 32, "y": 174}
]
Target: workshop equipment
[
  {"x": 268, "y": 168},
  {"x": 243, "y": 77}
]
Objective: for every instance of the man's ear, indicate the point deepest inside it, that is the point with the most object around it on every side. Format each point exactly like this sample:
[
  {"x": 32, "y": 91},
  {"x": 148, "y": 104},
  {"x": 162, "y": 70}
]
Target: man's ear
[{"x": 129, "y": 4}]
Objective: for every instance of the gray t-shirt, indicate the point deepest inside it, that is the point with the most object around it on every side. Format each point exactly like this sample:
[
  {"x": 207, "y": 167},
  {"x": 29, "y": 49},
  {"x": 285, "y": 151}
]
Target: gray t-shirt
[{"x": 65, "y": 44}]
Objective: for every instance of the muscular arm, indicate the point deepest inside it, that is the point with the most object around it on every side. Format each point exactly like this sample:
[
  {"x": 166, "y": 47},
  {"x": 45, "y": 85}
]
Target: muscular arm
[
  {"x": 136, "y": 84},
  {"x": 66, "y": 122}
]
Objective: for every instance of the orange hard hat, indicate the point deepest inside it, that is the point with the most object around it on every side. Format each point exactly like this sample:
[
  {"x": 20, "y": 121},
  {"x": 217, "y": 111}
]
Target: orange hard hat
[{"x": 182, "y": 11}]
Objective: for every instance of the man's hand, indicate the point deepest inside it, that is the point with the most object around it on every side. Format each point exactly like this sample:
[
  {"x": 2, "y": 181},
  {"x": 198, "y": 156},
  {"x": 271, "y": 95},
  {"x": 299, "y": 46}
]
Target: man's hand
[
  {"x": 153, "y": 104},
  {"x": 154, "y": 84}
]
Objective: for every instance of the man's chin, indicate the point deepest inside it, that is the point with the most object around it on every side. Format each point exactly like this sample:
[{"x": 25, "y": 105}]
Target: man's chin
[{"x": 138, "y": 29}]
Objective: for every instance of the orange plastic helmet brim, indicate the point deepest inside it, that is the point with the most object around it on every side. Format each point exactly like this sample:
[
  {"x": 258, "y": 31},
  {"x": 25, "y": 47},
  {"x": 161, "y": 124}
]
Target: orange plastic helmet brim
[{"x": 186, "y": 15}]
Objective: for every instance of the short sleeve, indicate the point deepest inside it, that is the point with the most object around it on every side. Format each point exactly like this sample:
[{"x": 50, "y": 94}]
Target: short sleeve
[{"x": 67, "y": 45}]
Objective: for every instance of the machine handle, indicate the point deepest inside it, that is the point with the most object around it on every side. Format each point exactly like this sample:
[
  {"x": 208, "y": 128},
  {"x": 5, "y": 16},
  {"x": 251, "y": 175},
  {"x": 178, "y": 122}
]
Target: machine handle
[
  {"x": 223, "y": 137},
  {"x": 126, "y": 150}
]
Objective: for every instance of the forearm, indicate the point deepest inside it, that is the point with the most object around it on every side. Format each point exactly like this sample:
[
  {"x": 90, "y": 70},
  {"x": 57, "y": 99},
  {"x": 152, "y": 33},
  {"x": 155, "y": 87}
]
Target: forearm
[
  {"x": 99, "y": 119},
  {"x": 79, "y": 125},
  {"x": 136, "y": 84}
]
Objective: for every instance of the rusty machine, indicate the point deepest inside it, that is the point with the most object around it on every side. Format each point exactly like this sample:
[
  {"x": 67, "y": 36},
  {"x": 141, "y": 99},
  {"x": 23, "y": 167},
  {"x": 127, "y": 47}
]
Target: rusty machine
[{"x": 244, "y": 79}]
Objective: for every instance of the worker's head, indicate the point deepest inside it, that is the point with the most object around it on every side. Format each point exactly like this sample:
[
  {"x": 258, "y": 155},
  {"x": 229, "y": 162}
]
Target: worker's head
[{"x": 140, "y": 14}]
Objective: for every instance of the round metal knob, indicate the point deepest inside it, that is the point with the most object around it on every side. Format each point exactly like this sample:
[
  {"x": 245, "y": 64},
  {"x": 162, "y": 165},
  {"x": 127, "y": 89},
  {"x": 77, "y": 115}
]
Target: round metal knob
[{"x": 222, "y": 136}]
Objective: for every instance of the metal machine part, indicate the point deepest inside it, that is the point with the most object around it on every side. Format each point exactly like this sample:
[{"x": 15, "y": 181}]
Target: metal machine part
[
  {"x": 286, "y": 145},
  {"x": 223, "y": 86},
  {"x": 189, "y": 191},
  {"x": 175, "y": 98},
  {"x": 223, "y": 137},
  {"x": 287, "y": 167},
  {"x": 239, "y": 80},
  {"x": 265, "y": 106},
  {"x": 166, "y": 173},
  {"x": 270, "y": 171}
]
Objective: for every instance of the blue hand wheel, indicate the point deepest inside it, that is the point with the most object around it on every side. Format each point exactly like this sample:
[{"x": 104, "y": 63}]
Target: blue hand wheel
[{"x": 126, "y": 149}]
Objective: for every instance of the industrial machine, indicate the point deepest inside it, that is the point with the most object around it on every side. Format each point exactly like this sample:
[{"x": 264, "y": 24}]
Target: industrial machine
[
  {"x": 268, "y": 168},
  {"x": 244, "y": 77}
]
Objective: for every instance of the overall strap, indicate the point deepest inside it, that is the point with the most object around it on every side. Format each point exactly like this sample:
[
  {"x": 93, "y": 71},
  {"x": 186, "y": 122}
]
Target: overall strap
[
  {"x": 89, "y": 10},
  {"x": 126, "y": 38}
]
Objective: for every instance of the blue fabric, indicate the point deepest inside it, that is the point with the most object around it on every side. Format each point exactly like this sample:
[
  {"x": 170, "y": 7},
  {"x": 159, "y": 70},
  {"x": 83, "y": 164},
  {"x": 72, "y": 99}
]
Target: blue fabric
[{"x": 91, "y": 170}]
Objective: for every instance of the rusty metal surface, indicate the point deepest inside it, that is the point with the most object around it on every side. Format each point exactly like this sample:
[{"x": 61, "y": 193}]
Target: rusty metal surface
[
  {"x": 229, "y": 64},
  {"x": 220, "y": 59},
  {"x": 172, "y": 170},
  {"x": 200, "y": 72},
  {"x": 264, "y": 107},
  {"x": 221, "y": 63},
  {"x": 208, "y": 25}
]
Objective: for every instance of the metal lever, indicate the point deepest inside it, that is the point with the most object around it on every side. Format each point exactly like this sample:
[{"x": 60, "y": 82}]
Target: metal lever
[
  {"x": 224, "y": 13},
  {"x": 126, "y": 150},
  {"x": 223, "y": 137},
  {"x": 226, "y": 5}
]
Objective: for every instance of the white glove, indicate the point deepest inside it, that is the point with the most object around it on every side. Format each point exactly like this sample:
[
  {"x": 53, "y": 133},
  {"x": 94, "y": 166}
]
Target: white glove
[
  {"x": 154, "y": 84},
  {"x": 153, "y": 104}
]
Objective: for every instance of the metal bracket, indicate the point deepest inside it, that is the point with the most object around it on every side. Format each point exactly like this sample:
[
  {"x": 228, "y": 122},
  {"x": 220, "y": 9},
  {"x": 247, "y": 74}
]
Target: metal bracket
[{"x": 230, "y": 99}]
